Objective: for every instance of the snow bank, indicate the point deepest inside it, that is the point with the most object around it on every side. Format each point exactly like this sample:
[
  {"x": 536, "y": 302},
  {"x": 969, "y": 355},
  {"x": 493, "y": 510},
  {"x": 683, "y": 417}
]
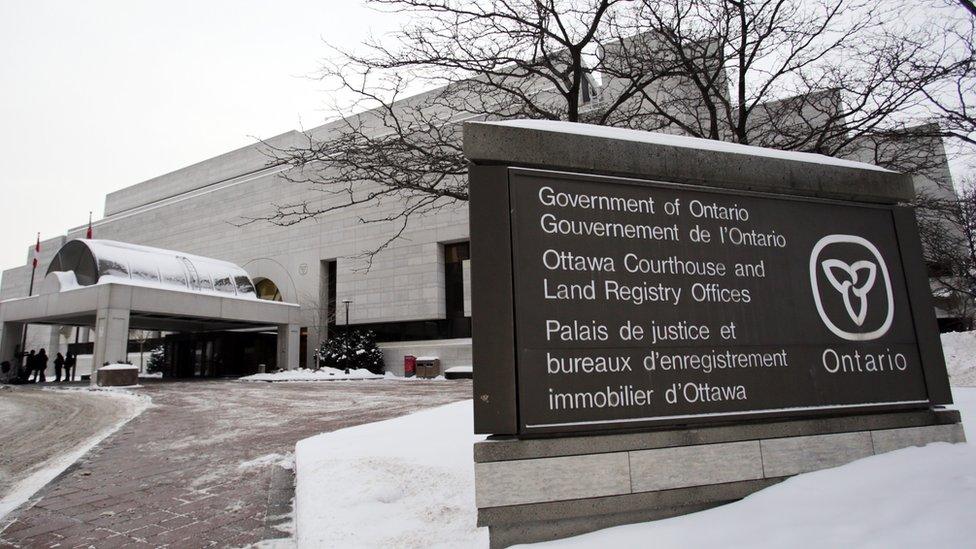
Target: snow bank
[
  {"x": 119, "y": 366},
  {"x": 322, "y": 374},
  {"x": 22, "y": 491},
  {"x": 915, "y": 497},
  {"x": 409, "y": 482},
  {"x": 960, "y": 354},
  {"x": 459, "y": 370},
  {"x": 405, "y": 482}
]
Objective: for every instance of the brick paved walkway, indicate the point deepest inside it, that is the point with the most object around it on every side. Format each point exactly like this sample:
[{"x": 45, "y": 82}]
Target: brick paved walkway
[{"x": 174, "y": 475}]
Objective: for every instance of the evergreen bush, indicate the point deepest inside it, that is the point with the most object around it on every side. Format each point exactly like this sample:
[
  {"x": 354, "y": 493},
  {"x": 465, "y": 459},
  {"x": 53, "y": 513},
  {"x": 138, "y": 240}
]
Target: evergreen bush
[
  {"x": 156, "y": 358},
  {"x": 352, "y": 349}
]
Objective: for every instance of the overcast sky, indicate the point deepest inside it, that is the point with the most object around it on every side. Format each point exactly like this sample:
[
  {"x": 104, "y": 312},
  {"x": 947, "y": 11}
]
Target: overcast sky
[{"x": 99, "y": 95}]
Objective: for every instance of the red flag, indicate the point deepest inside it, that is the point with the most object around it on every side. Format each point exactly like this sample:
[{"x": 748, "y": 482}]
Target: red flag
[
  {"x": 37, "y": 251},
  {"x": 88, "y": 235}
]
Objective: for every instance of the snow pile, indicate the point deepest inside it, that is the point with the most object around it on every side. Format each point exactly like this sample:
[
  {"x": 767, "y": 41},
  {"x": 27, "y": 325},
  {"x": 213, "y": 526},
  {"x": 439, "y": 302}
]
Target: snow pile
[
  {"x": 119, "y": 366},
  {"x": 322, "y": 374},
  {"x": 915, "y": 497},
  {"x": 404, "y": 482},
  {"x": 391, "y": 375},
  {"x": 416, "y": 473},
  {"x": 282, "y": 460},
  {"x": 960, "y": 355},
  {"x": 459, "y": 370}
]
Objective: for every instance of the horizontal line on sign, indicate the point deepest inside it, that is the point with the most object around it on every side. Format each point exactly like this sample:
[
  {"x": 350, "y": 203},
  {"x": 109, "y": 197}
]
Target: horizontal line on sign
[{"x": 719, "y": 414}]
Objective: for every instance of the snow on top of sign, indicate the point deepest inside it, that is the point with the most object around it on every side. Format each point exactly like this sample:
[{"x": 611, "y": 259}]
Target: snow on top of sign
[
  {"x": 119, "y": 366},
  {"x": 656, "y": 138}
]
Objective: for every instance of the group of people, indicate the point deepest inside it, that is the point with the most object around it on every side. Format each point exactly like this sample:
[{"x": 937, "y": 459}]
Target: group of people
[{"x": 32, "y": 367}]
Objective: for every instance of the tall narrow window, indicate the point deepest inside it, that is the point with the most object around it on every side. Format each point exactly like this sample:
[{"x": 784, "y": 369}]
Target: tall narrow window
[
  {"x": 330, "y": 307},
  {"x": 455, "y": 255}
]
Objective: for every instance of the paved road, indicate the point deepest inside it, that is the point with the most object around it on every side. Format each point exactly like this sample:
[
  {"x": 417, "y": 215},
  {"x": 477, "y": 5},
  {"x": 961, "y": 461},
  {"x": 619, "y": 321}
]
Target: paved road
[
  {"x": 195, "y": 469},
  {"x": 44, "y": 427}
]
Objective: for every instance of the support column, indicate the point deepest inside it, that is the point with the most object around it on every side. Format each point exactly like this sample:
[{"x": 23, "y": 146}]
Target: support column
[
  {"x": 111, "y": 338},
  {"x": 288, "y": 342},
  {"x": 10, "y": 338},
  {"x": 13, "y": 334},
  {"x": 54, "y": 343}
]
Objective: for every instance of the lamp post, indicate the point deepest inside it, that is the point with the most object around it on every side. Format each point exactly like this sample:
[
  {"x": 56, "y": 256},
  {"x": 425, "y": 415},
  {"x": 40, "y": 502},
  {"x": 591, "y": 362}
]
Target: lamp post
[{"x": 346, "y": 302}]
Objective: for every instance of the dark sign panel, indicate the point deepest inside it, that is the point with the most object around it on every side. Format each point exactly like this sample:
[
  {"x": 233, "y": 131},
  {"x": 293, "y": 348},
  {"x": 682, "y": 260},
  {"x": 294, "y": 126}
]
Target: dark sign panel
[{"x": 642, "y": 304}]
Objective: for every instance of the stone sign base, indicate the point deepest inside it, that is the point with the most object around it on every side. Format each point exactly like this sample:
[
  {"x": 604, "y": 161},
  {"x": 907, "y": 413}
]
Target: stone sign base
[
  {"x": 109, "y": 376},
  {"x": 542, "y": 489}
]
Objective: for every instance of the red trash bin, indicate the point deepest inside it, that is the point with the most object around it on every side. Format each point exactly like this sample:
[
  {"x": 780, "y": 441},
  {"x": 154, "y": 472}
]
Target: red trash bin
[{"x": 409, "y": 366}]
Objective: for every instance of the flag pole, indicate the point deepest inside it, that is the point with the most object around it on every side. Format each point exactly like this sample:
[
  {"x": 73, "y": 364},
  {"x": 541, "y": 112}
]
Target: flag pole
[{"x": 30, "y": 291}]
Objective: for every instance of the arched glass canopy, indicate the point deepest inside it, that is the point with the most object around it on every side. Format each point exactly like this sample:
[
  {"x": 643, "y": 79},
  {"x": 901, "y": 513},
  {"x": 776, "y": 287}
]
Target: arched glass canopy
[{"x": 94, "y": 261}]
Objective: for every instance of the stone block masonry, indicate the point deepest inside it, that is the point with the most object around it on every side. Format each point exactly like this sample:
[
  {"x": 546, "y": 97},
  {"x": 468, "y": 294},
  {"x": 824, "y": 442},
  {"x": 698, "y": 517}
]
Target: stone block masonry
[{"x": 542, "y": 489}]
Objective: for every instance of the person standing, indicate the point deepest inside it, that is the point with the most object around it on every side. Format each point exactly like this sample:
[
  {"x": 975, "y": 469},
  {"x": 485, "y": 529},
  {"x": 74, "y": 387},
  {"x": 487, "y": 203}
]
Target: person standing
[
  {"x": 31, "y": 364},
  {"x": 69, "y": 367},
  {"x": 58, "y": 366},
  {"x": 41, "y": 359}
]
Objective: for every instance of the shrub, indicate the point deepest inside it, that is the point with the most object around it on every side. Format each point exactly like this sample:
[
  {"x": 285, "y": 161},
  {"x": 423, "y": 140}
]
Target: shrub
[
  {"x": 352, "y": 349},
  {"x": 156, "y": 360}
]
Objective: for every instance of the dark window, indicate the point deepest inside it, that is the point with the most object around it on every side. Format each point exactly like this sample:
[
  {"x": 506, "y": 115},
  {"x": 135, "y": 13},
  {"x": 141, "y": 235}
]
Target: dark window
[
  {"x": 330, "y": 303},
  {"x": 455, "y": 255}
]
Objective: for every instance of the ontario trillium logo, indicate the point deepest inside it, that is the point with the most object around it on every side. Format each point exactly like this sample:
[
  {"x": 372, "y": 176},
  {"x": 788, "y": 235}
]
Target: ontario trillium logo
[
  {"x": 853, "y": 282},
  {"x": 851, "y": 287}
]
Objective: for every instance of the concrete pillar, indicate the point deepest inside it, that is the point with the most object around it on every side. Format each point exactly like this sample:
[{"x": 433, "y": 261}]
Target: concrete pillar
[
  {"x": 288, "y": 346},
  {"x": 54, "y": 343},
  {"x": 111, "y": 338},
  {"x": 10, "y": 339}
]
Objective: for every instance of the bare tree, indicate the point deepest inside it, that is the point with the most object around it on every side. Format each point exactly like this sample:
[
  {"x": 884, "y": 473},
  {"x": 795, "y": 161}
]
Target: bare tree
[
  {"x": 142, "y": 336},
  {"x": 817, "y": 76},
  {"x": 953, "y": 98},
  {"x": 947, "y": 225},
  {"x": 837, "y": 77},
  {"x": 969, "y": 5},
  {"x": 478, "y": 59}
]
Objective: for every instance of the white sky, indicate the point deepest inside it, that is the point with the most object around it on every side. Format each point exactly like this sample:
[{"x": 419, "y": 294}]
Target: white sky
[{"x": 100, "y": 95}]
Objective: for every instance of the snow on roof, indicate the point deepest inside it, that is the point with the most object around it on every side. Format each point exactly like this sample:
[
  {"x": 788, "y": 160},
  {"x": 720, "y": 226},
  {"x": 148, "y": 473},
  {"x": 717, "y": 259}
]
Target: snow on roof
[
  {"x": 655, "y": 138},
  {"x": 104, "y": 261}
]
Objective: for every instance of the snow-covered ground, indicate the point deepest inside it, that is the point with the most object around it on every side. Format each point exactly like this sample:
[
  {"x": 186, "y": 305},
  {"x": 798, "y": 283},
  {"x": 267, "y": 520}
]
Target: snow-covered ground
[
  {"x": 322, "y": 374},
  {"x": 124, "y": 406},
  {"x": 960, "y": 353},
  {"x": 402, "y": 483}
]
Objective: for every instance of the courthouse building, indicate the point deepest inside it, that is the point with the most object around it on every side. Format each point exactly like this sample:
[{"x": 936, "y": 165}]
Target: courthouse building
[{"x": 415, "y": 295}]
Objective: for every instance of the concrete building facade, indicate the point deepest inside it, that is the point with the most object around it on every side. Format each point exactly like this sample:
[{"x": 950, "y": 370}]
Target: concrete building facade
[
  {"x": 198, "y": 210},
  {"x": 414, "y": 294}
]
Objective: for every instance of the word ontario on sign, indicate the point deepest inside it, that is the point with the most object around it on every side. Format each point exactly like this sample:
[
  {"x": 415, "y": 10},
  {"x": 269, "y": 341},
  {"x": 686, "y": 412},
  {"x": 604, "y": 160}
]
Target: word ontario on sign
[{"x": 637, "y": 303}]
